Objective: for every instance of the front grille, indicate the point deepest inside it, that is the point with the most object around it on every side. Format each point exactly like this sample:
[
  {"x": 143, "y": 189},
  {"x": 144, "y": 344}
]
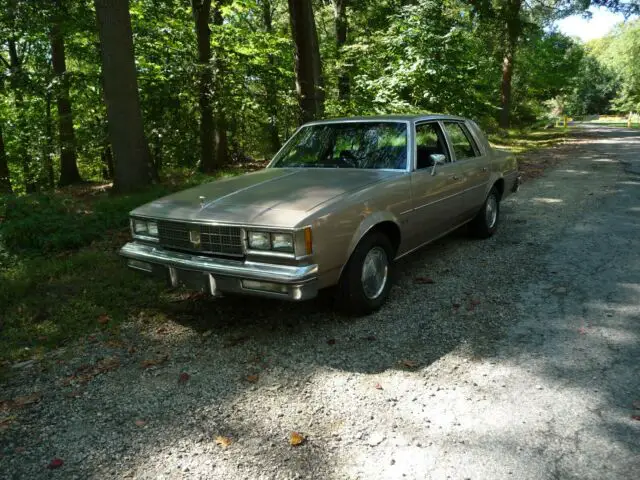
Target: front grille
[{"x": 214, "y": 239}]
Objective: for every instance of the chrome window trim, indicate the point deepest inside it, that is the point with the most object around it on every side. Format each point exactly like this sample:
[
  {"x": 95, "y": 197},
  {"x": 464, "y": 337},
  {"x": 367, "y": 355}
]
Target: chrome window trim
[{"x": 416, "y": 124}]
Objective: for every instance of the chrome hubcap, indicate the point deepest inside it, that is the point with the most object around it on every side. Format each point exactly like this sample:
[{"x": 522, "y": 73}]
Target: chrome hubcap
[
  {"x": 375, "y": 271},
  {"x": 491, "y": 211}
]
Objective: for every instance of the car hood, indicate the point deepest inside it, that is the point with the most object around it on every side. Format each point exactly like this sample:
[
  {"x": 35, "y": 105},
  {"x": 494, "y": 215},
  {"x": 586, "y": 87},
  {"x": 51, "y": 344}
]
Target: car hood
[{"x": 274, "y": 196}]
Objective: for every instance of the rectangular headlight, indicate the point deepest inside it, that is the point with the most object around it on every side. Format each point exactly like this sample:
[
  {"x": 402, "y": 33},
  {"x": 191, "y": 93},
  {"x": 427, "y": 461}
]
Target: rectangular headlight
[
  {"x": 144, "y": 227},
  {"x": 140, "y": 227},
  {"x": 152, "y": 229},
  {"x": 259, "y": 240},
  {"x": 282, "y": 242}
]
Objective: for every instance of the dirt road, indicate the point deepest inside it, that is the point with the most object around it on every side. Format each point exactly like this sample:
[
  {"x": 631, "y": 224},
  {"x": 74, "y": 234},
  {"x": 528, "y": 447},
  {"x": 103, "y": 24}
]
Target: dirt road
[{"x": 520, "y": 361}]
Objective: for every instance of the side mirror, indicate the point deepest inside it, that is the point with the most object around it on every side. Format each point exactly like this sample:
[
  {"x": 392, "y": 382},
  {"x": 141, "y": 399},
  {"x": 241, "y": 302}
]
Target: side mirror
[{"x": 437, "y": 159}]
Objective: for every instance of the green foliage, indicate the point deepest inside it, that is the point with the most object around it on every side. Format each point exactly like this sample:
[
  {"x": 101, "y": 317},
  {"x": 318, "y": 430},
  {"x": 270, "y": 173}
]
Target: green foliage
[
  {"x": 594, "y": 89},
  {"x": 620, "y": 52},
  {"x": 53, "y": 223},
  {"x": 401, "y": 56}
]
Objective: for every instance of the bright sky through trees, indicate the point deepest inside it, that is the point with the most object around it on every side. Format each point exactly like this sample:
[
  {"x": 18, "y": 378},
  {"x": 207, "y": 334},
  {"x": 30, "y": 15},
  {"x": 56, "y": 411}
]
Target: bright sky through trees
[{"x": 599, "y": 25}]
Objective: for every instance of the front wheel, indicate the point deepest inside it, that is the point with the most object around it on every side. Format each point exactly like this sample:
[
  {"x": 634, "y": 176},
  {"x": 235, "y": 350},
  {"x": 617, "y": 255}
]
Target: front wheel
[
  {"x": 366, "y": 280},
  {"x": 485, "y": 223}
]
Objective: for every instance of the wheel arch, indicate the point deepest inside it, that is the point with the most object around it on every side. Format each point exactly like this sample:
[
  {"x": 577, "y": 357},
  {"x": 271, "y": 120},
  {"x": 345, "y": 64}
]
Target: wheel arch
[{"x": 384, "y": 222}]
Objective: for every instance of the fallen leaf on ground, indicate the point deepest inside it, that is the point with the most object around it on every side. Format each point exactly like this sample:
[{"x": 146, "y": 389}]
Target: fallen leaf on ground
[
  {"x": 378, "y": 386},
  {"x": 252, "y": 378},
  {"x": 423, "y": 280},
  {"x": 296, "y": 439},
  {"x": 103, "y": 319},
  {"x": 55, "y": 463},
  {"x": 331, "y": 341},
  {"x": 233, "y": 342},
  {"x": 19, "y": 449},
  {"x": 635, "y": 417},
  {"x": 27, "y": 400},
  {"x": 140, "y": 423},
  {"x": 475, "y": 302},
  {"x": 162, "y": 330},
  {"x": 183, "y": 378},
  {"x": 409, "y": 363},
  {"x": 153, "y": 362},
  {"x": 370, "y": 338},
  {"x": 73, "y": 394},
  {"x": 107, "y": 364},
  {"x": 6, "y": 422},
  {"x": 114, "y": 344},
  {"x": 224, "y": 442}
]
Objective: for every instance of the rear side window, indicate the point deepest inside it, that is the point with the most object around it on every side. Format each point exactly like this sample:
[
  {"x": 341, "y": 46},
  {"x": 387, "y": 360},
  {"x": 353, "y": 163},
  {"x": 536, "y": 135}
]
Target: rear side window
[{"x": 461, "y": 141}]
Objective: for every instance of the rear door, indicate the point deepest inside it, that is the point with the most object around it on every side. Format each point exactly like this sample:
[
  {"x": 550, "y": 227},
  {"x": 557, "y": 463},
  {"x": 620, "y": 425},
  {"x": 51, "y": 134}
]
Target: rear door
[
  {"x": 473, "y": 165},
  {"x": 434, "y": 189}
]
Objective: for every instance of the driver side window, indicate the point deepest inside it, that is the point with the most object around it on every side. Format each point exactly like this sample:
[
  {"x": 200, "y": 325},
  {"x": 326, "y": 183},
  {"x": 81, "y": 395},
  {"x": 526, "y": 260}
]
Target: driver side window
[{"x": 429, "y": 140}]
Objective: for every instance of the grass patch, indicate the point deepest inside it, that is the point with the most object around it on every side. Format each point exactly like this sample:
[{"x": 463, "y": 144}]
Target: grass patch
[
  {"x": 61, "y": 277},
  {"x": 525, "y": 141},
  {"x": 47, "y": 302}
]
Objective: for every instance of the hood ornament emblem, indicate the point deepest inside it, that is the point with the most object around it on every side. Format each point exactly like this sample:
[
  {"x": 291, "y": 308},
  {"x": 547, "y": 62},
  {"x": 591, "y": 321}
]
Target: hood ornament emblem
[{"x": 202, "y": 199}]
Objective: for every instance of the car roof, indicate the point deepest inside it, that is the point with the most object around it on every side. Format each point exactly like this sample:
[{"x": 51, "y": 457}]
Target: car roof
[{"x": 389, "y": 118}]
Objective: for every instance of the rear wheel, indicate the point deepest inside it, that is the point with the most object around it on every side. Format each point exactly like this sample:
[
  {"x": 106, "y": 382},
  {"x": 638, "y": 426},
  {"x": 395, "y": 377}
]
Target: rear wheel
[
  {"x": 366, "y": 279},
  {"x": 485, "y": 223}
]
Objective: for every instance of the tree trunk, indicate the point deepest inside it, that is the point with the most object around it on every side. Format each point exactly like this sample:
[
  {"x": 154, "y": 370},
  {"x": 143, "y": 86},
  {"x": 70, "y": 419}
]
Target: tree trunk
[
  {"x": 126, "y": 131},
  {"x": 505, "y": 89},
  {"x": 342, "y": 26},
  {"x": 69, "y": 173},
  {"x": 5, "y": 178},
  {"x": 21, "y": 126},
  {"x": 201, "y": 13},
  {"x": 221, "y": 142},
  {"x": 309, "y": 84},
  {"x": 270, "y": 86},
  {"x": 513, "y": 28},
  {"x": 49, "y": 175}
]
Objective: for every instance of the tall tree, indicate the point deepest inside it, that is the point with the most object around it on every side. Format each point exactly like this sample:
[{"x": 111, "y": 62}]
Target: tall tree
[
  {"x": 69, "y": 173},
  {"x": 221, "y": 142},
  {"x": 308, "y": 66},
  {"x": 270, "y": 86},
  {"x": 511, "y": 10},
  {"x": 126, "y": 132},
  {"x": 5, "y": 179},
  {"x": 201, "y": 14},
  {"x": 18, "y": 81},
  {"x": 342, "y": 27},
  {"x": 47, "y": 153}
]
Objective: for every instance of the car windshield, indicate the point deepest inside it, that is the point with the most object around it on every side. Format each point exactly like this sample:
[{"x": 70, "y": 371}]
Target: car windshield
[{"x": 370, "y": 145}]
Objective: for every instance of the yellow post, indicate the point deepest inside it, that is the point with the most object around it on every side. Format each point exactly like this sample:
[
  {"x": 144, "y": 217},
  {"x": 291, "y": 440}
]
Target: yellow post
[{"x": 565, "y": 121}]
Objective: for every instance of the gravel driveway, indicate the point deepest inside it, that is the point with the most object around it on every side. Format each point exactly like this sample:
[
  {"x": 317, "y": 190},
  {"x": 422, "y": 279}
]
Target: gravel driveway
[{"x": 520, "y": 360}]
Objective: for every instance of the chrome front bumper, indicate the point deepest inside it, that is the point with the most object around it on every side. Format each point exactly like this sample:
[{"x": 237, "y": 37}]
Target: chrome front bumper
[{"x": 217, "y": 275}]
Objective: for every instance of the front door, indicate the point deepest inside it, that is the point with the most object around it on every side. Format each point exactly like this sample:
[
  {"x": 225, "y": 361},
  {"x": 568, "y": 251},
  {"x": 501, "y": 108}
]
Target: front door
[{"x": 434, "y": 188}]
